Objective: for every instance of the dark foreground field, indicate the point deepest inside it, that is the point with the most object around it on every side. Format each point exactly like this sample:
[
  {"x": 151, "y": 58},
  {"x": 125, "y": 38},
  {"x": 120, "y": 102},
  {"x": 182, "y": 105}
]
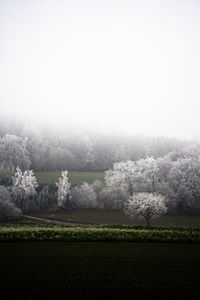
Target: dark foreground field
[
  {"x": 101, "y": 216},
  {"x": 99, "y": 270}
]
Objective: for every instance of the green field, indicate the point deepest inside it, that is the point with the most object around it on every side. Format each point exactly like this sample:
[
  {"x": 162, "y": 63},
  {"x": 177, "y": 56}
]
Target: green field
[
  {"x": 99, "y": 270},
  {"x": 115, "y": 217},
  {"x": 74, "y": 177}
]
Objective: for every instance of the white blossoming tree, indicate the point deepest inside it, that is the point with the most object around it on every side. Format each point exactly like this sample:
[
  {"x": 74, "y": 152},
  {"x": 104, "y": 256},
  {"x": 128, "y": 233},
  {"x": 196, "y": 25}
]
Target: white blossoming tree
[
  {"x": 63, "y": 190},
  {"x": 148, "y": 205},
  {"x": 24, "y": 188}
]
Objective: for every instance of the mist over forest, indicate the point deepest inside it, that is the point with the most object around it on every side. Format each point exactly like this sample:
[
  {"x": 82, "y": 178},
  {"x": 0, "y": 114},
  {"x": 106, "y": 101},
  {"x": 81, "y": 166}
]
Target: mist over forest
[
  {"x": 133, "y": 166},
  {"x": 51, "y": 149}
]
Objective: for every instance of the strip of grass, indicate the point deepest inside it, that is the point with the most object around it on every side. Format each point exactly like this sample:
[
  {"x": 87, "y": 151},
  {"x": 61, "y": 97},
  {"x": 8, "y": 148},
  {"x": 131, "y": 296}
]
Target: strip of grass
[
  {"x": 115, "y": 217},
  {"x": 99, "y": 271},
  {"x": 98, "y": 234},
  {"x": 74, "y": 177}
]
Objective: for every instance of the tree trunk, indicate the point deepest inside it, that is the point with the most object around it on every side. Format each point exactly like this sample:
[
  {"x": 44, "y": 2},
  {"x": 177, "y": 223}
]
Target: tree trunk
[
  {"x": 148, "y": 221},
  {"x": 153, "y": 183}
]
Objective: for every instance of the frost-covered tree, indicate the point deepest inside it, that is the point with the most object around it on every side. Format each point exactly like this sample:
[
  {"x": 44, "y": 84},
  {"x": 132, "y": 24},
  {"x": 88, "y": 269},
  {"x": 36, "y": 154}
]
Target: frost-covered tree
[
  {"x": 164, "y": 165},
  {"x": 116, "y": 189},
  {"x": 84, "y": 196},
  {"x": 184, "y": 181},
  {"x": 8, "y": 211},
  {"x": 44, "y": 197},
  {"x": 98, "y": 186},
  {"x": 25, "y": 181},
  {"x": 6, "y": 177},
  {"x": 122, "y": 177},
  {"x": 63, "y": 190},
  {"x": 24, "y": 189},
  {"x": 38, "y": 149},
  {"x": 147, "y": 167},
  {"x": 129, "y": 177},
  {"x": 14, "y": 152},
  {"x": 148, "y": 205}
]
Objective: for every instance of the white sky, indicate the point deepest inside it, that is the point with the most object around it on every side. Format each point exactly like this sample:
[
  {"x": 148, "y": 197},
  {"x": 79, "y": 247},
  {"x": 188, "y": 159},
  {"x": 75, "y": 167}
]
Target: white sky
[{"x": 132, "y": 66}]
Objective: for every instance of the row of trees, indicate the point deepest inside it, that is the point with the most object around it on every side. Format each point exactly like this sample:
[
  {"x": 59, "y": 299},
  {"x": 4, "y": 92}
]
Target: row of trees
[
  {"x": 147, "y": 186},
  {"x": 42, "y": 150},
  {"x": 175, "y": 177},
  {"x": 24, "y": 195}
]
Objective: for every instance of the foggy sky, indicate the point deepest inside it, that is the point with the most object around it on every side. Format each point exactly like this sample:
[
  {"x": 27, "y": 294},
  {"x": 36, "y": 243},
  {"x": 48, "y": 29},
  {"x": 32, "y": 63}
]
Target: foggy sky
[{"x": 128, "y": 66}]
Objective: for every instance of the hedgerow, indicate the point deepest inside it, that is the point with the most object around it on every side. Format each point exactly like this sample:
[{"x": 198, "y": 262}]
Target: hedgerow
[{"x": 98, "y": 234}]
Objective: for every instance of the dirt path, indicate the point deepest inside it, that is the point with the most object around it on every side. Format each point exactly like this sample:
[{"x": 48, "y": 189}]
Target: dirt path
[{"x": 45, "y": 221}]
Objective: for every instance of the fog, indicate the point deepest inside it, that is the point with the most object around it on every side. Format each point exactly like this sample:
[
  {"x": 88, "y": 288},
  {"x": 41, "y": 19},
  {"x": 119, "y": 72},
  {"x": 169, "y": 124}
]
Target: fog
[{"x": 118, "y": 66}]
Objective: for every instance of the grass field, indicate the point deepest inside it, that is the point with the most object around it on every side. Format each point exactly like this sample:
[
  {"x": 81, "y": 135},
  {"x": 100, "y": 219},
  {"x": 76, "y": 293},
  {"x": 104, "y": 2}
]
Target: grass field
[
  {"x": 95, "y": 233},
  {"x": 115, "y": 217},
  {"x": 74, "y": 177},
  {"x": 99, "y": 270}
]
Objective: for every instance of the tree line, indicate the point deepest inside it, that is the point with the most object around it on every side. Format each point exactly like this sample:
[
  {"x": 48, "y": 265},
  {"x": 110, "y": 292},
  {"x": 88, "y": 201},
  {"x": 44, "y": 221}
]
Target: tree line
[
  {"x": 43, "y": 150},
  {"x": 148, "y": 186}
]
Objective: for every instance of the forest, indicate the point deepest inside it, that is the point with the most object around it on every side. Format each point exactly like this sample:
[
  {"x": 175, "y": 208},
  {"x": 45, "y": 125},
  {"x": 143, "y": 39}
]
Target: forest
[
  {"x": 43, "y": 149},
  {"x": 162, "y": 174}
]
